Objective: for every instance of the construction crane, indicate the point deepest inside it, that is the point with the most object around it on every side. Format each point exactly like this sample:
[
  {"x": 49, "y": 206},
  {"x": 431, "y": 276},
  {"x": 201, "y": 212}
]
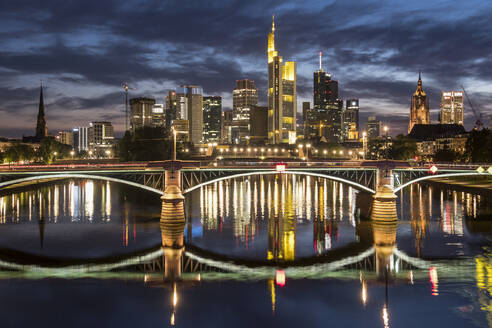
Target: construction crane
[
  {"x": 126, "y": 88},
  {"x": 476, "y": 112}
]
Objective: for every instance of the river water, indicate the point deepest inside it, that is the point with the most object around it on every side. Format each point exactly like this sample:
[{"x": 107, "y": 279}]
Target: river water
[{"x": 276, "y": 251}]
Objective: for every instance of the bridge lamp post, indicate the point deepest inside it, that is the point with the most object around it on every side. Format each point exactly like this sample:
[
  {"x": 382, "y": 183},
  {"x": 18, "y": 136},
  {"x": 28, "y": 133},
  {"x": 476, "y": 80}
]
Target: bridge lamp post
[{"x": 364, "y": 135}]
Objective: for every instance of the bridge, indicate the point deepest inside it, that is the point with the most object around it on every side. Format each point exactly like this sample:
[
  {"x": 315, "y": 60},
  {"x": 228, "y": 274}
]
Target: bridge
[{"x": 366, "y": 176}]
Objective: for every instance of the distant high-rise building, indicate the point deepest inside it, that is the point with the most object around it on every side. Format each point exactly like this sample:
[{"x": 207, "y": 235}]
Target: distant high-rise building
[
  {"x": 451, "y": 107},
  {"x": 190, "y": 106},
  {"x": 244, "y": 96},
  {"x": 65, "y": 137},
  {"x": 41, "y": 128},
  {"x": 282, "y": 96},
  {"x": 141, "y": 112},
  {"x": 259, "y": 124},
  {"x": 419, "y": 110},
  {"x": 325, "y": 89},
  {"x": 171, "y": 111},
  {"x": 101, "y": 138},
  {"x": 351, "y": 118},
  {"x": 226, "y": 127},
  {"x": 81, "y": 138},
  {"x": 158, "y": 115},
  {"x": 212, "y": 118},
  {"x": 373, "y": 127},
  {"x": 310, "y": 119}
]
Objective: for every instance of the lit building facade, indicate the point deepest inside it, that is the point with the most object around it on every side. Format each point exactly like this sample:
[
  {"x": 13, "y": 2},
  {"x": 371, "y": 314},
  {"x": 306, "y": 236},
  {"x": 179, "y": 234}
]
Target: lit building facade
[
  {"x": 282, "y": 96},
  {"x": 101, "y": 138},
  {"x": 81, "y": 138},
  {"x": 451, "y": 107},
  {"x": 65, "y": 137},
  {"x": 212, "y": 118},
  {"x": 141, "y": 112},
  {"x": 226, "y": 127},
  {"x": 419, "y": 109},
  {"x": 244, "y": 97}
]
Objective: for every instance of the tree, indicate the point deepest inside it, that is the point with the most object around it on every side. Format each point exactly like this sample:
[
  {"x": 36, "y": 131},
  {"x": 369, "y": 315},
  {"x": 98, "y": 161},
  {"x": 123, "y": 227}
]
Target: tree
[
  {"x": 446, "y": 155},
  {"x": 49, "y": 148},
  {"x": 479, "y": 146},
  {"x": 403, "y": 148},
  {"x": 149, "y": 144},
  {"x": 19, "y": 152}
]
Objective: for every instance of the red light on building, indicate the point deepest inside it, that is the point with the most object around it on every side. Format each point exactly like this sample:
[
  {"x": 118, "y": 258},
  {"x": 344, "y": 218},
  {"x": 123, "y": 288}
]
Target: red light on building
[
  {"x": 281, "y": 167},
  {"x": 280, "y": 278}
]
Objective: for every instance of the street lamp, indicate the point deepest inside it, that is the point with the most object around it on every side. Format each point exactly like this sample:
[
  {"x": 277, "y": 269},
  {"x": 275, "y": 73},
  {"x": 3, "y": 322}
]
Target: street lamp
[
  {"x": 72, "y": 153},
  {"x": 108, "y": 153}
]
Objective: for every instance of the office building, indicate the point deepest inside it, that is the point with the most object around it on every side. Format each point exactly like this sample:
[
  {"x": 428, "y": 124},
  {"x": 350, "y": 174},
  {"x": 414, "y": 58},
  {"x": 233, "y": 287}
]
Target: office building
[
  {"x": 65, "y": 137},
  {"x": 190, "y": 107},
  {"x": 373, "y": 127},
  {"x": 226, "y": 127},
  {"x": 158, "y": 115},
  {"x": 101, "y": 139},
  {"x": 419, "y": 109},
  {"x": 141, "y": 112},
  {"x": 182, "y": 128},
  {"x": 81, "y": 138},
  {"x": 282, "y": 96},
  {"x": 212, "y": 118},
  {"x": 244, "y": 96},
  {"x": 351, "y": 119},
  {"x": 451, "y": 107},
  {"x": 171, "y": 111}
]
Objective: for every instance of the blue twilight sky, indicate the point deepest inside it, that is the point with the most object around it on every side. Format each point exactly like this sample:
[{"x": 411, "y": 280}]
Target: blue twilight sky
[{"x": 85, "y": 50}]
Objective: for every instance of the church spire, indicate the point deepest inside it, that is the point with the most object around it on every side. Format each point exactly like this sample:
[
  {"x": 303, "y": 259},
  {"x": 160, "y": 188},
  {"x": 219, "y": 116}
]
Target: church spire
[{"x": 41, "y": 129}]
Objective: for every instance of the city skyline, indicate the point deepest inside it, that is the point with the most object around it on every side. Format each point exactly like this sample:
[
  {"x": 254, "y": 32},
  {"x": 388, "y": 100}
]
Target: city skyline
[{"x": 84, "y": 54}]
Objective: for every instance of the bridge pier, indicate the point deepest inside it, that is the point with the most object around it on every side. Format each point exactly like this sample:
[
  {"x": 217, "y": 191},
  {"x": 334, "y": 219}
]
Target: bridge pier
[{"x": 384, "y": 221}]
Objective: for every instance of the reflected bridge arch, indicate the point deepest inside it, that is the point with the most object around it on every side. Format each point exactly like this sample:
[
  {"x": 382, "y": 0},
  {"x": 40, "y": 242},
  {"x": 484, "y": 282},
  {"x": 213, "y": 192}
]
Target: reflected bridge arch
[{"x": 354, "y": 184}]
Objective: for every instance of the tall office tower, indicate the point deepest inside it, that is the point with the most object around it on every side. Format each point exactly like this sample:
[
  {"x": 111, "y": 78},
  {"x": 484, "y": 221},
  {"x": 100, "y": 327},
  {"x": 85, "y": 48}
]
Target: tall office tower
[
  {"x": 351, "y": 118},
  {"x": 141, "y": 112},
  {"x": 373, "y": 127},
  {"x": 171, "y": 105},
  {"x": 81, "y": 138},
  {"x": 282, "y": 96},
  {"x": 101, "y": 138},
  {"x": 310, "y": 120},
  {"x": 419, "y": 110},
  {"x": 259, "y": 127},
  {"x": 158, "y": 115},
  {"x": 226, "y": 127},
  {"x": 244, "y": 96},
  {"x": 327, "y": 104},
  {"x": 451, "y": 107},
  {"x": 41, "y": 128},
  {"x": 190, "y": 107},
  {"x": 212, "y": 118}
]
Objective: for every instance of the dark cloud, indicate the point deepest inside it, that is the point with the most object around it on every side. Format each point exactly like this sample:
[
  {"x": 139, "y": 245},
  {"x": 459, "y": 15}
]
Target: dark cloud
[{"x": 374, "y": 50}]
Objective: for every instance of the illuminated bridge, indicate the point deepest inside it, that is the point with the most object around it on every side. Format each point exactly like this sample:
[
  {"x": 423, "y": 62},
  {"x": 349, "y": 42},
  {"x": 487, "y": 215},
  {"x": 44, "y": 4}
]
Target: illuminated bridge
[{"x": 361, "y": 175}]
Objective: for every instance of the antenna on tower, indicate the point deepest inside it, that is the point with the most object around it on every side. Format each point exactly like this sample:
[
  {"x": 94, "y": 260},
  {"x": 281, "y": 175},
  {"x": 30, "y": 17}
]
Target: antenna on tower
[{"x": 320, "y": 60}]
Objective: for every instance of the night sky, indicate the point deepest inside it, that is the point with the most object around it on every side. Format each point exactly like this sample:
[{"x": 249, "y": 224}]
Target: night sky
[{"x": 84, "y": 50}]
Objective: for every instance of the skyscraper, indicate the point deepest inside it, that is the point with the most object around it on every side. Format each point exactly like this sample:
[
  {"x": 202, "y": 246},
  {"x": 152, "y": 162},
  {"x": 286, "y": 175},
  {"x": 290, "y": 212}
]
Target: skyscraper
[
  {"x": 141, "y": 112},
  {"x": 451, "y": 107},
  {"x": 81, "y": 138},
  {"x": 373, "y": 127},
  {"x": 190, "y": 105},
  {"x": 158, "y": 115},
  {"x": 258, "y": 122},
  {"x": 244, "y": 97},
  {"x": 212, "y": 118},
  {"x": 325, "y": 89},
  {"x": 351, "y": 117},
  {"x": 170, "y": 108},
  {"x": 41, "y": 128},
  {"x": 419, "y": 110},
  {"x": 282, "y": 96}
]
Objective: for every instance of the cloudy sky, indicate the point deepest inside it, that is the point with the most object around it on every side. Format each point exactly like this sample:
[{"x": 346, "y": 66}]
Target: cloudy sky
[{"x": 85, "y": 50}]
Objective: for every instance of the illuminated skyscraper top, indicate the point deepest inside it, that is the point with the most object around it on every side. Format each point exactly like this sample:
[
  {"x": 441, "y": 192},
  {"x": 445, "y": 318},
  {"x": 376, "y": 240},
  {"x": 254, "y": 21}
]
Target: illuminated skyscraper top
[{"x": 271, "y": 43}]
